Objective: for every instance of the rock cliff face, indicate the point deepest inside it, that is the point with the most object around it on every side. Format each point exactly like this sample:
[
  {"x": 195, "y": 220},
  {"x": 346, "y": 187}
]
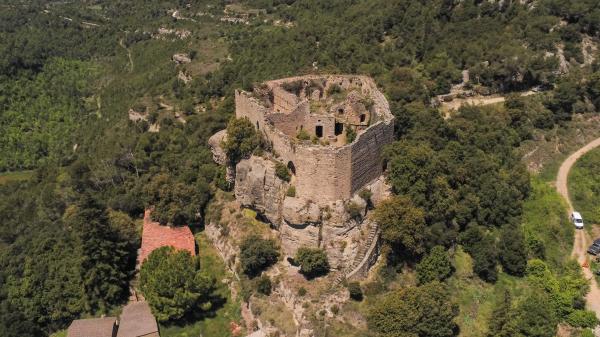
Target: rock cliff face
[
  {"x": 215, "y": 142},
  {"x": 257, "y": 187}
]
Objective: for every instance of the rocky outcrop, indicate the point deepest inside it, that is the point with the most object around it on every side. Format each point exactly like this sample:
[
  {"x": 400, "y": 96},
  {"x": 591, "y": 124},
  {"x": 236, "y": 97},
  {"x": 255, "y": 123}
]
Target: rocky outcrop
[
  {"x": 257, "y": 187},
  {"x": 297, "y": 211},
  {"x": 214, "y": 142},
  {"x": 294, "y": 237},
  {"x": 181, "y": 58}
]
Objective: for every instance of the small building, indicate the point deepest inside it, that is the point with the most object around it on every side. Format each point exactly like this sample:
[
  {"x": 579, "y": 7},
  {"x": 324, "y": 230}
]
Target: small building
[
  {"x": 137, "y": 320},
  {"x": 154, "y": 236},
  {"x": 93, "y": 327}
]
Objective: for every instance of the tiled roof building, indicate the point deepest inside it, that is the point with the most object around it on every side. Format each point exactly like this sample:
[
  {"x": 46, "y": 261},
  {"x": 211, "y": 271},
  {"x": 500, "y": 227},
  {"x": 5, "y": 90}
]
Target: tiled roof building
[
  {"x": 137, "y": 321},
  {"x": 93, "y": 327},
  {"x": 155, "y": 236}
]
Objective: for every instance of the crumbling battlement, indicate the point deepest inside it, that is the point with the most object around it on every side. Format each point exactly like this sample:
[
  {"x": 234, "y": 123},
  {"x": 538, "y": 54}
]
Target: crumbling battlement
[{"x": 330, "y": 166}]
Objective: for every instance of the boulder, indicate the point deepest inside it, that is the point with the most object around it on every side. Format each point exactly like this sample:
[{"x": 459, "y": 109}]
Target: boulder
[
  {"x": 257, "y": 187},
  {"x": 297, "y": 211},
  {"x": 181, "y": 58},
  {"x": 214, "y": 142}
]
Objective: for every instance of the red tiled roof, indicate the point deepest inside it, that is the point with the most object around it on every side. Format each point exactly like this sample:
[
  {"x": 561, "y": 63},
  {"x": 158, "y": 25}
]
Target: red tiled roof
[{"x": 155, "y": 236}]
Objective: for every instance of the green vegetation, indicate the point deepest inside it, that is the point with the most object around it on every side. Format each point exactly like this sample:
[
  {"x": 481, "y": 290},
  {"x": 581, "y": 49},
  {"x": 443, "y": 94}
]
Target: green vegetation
[
  {"x": 313, "y": 261},
  {"x": 584, "y": 186},
  {"x": 355, "y": 291},
  {"x": 173, "y": 284},
  {"x": 435, "y": 266},
  {"x": 402, "y": 225},
  {"x": 303, "y": 135},
  {"x": 257, "y": 254},
  {"x": 242, "y": 139},
  {"x": 291, "y": 191},
  {"x": 282, "y": 172},
  {"x": 226, "y": 310},
  {"x": 418, "y": 311},
  {"x": 263, "y": 285}
]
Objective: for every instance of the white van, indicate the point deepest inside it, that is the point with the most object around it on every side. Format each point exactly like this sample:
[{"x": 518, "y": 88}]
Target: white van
[{"x": 577, "y": 220}]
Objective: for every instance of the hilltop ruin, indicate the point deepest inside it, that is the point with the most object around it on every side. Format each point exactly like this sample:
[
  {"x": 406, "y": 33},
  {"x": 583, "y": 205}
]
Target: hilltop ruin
[{"x": 329, "y": 131}]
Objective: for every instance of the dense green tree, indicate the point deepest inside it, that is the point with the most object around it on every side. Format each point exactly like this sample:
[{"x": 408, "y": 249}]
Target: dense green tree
[
  {"x": 173, "y": 284},
  {"x": 512, "y": 251},
  {"x": 425, "y": 311},
  {"x": 242, "y": 139},
  {"x": 435, "y": 266},
  {"x": 402, "y": 225},
  {"x": 313, "y": 261},
  {"x": 256, "y": 254}
]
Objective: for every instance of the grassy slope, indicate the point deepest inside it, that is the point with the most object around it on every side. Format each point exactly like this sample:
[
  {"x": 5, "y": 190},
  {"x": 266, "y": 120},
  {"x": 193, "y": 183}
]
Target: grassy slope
[
  {"x": 6, "y": 177},
  {"x": 584, "y": 186},
  {"x": 219, "y": 324},
  {"x": 544, "y": 216}
]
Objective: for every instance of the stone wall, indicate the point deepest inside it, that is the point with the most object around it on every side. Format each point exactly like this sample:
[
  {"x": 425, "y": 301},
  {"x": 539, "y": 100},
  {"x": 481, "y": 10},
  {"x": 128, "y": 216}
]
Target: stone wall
[
  {"x": 323, "y": 173},
  {"x": 366, "y": 151}
]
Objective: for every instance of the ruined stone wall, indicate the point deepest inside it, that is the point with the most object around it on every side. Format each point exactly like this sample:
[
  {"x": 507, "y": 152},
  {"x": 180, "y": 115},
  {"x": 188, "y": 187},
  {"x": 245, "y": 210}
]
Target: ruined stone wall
[
  {"x": 366, "y": 151},
  {"x": 248, "y": 106},
  {"x": 284, "y": 101},
  {"x": 325, "y": 121},
  {"x": 291, "y": 123}
]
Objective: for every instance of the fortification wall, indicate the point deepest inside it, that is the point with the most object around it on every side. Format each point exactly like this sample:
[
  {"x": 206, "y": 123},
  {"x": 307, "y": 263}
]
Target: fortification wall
[
  {"x": 366, "y": 161},
  {"x": 322, "y": 173},
  {"x": 284, "y": 101},
  {"x": 248, "y": 106}
]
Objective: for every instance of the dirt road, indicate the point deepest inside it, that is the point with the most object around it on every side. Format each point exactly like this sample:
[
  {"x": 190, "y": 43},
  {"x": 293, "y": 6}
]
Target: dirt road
[{"x": 582, "y": 238}]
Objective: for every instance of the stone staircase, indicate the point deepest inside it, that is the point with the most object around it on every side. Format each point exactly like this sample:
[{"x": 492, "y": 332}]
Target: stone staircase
[{"x": 360, "y": 255}]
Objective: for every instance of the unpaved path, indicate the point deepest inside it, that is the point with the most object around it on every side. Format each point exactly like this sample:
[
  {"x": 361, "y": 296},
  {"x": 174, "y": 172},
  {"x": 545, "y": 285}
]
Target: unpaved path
[
  {"x": 582, "y": 238},
  {"x": 476, "y": 100},
  {"x": 122, "y": 44}
]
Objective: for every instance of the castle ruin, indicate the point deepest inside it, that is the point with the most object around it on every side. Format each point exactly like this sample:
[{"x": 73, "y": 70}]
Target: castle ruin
[{"x": 329, "y": 130}]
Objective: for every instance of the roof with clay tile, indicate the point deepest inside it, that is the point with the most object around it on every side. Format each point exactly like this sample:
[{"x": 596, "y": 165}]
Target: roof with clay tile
[{"x": 154, "y": 236}]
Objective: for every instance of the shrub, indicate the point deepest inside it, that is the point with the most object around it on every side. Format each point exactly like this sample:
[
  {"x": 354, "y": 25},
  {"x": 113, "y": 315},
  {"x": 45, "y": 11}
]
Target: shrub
[
  {"x": 355, "y": 291},
  {"x": 291, "y": 191},
  {"x": 334, "y": 89},
  {"x": 256, "y": 254},
  {"x": 242, "y": 139},
  {"x": 282, "y": 172},
  {"x": 264, "y": 285},
  {"x": 513, "y": 251},
  {"x": 365, "y": 194},
  {"x": 313, "y": 261},
  {"x": 301, "y": 291},
  {"x": 350, "y": 134},
  {"x": 303, "y": 135},
  {"x": 582, "y": 319},
  {"x": 435, "y": 266},
  {"x": 354, "y": 210},
  {"x": 335, "y": 309}
]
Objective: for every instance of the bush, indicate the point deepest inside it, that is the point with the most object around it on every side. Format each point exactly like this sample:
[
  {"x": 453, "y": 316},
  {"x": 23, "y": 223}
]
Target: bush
[
  {"x": 355, "y": 291},
  {"x": 291, "y": 191},
  {"x": 334, "y": 89},
  {"x": 173, "y": 284},
  {"x": 366, "y": 195},
  {"x": 350, "y": 134},
  {"x": 582, "y": 319},
  {"x": 435, "y": 266},
  {"x": 335, "y": 309},
  {"x": 263, "y": 285},
  {"x": 256, "y": 254},
  {"x": 282, "y": 172},
  {"x": 242, "y": 139},
  {"x": 313, "y": 261},
  {"x": 303, "y": 135},
  {"x": 354, "y": 210},
  {"x": 301, "y": 291}
]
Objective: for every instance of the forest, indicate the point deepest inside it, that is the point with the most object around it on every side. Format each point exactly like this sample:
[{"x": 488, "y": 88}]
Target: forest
[{"x": 70, "y": 230}]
